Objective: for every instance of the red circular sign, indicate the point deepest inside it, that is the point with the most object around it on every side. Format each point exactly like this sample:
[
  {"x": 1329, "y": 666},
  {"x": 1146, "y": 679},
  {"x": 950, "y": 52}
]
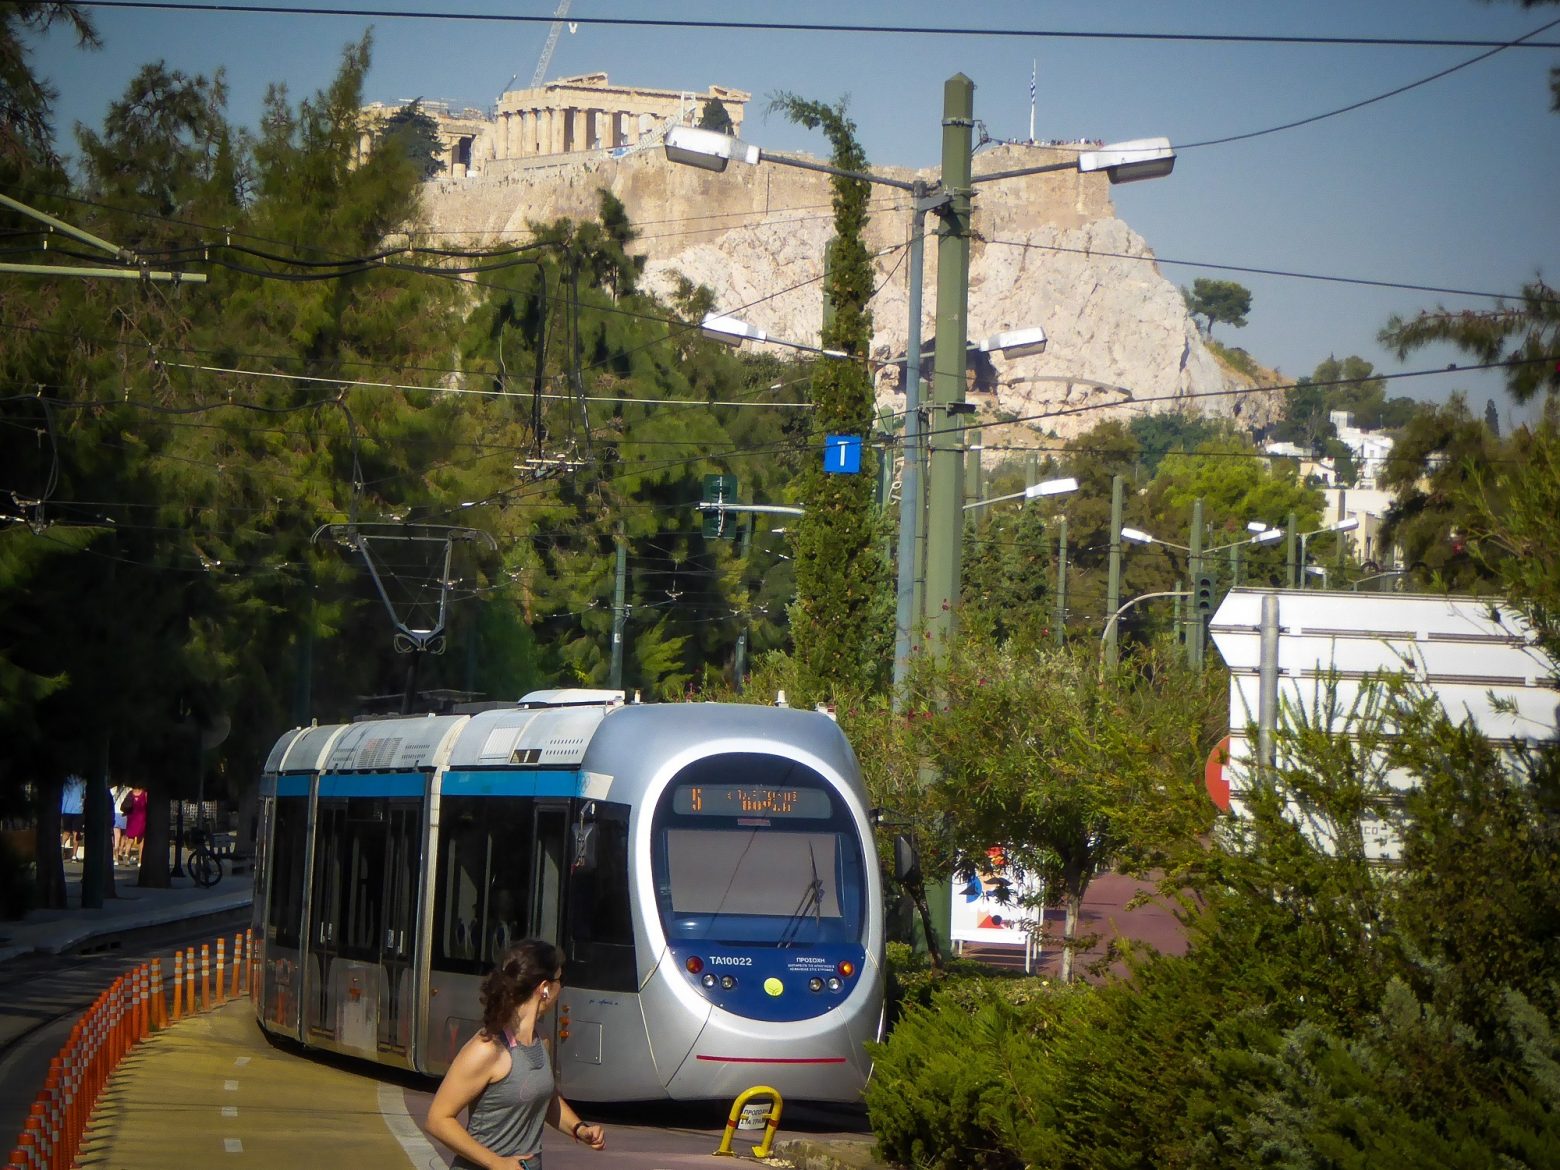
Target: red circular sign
[{"x": 1214, "y": 777}]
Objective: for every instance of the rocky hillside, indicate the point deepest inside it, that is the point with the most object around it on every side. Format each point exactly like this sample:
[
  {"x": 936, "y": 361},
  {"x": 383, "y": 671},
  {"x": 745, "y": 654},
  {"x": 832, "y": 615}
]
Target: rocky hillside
[{"x": 1049, "y": 251}]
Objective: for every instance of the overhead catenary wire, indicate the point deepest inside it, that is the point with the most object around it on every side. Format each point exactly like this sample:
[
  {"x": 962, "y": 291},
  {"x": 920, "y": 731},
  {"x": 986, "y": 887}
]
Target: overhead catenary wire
[{"x": 805, "y": 26}]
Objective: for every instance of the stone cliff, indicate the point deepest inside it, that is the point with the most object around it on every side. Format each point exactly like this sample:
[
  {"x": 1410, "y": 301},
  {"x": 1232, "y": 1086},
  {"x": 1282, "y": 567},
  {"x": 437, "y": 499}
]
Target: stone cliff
[{"x": 1048, "y": 251}]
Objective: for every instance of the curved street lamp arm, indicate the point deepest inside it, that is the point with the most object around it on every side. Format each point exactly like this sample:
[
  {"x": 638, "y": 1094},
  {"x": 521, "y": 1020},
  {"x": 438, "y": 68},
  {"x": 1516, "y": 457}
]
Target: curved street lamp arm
[{"x": 1110, "y": 622}]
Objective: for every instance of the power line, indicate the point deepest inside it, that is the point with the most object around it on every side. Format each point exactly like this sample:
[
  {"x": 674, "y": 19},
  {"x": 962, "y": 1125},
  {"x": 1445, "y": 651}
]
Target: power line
[
  {"x": 1237, "y": 391},
  {"x": 1286, "y": 274},
  {"x": 1519, "y": 42},
  {"x": 814, "y": 27}
]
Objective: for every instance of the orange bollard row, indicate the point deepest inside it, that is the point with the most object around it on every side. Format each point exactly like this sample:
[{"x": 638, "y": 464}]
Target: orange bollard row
[{"x": 128, "y": 1012}]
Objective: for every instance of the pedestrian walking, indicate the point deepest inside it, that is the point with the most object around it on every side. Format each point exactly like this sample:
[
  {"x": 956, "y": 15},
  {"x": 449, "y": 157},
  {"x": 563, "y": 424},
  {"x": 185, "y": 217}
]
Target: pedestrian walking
[
  {"x": 73, "y": 796},
  {"x": 120, "y": 794},
  {"x": 135, "y": 823},
  {"x": 502, "y": 1077}
]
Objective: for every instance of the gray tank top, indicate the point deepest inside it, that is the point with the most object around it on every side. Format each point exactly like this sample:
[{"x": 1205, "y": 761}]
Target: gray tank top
[{"x": 509, "y": 1115}]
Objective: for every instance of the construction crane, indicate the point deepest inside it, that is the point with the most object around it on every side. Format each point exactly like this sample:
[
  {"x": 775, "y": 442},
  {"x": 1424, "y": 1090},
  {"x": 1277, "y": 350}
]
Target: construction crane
[{"x": 552, "y": 42}]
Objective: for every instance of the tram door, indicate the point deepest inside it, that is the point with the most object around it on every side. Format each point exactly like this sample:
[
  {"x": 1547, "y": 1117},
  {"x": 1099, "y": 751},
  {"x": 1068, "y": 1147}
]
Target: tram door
[
  {"x": 403, "y": 863},
  {"x": 324, "y": 918},
  {"x": 363, "y": 930}
]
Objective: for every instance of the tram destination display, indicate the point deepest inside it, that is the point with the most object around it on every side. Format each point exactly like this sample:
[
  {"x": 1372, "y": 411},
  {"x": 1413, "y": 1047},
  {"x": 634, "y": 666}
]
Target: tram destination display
[{"x": 729, "y": 800}]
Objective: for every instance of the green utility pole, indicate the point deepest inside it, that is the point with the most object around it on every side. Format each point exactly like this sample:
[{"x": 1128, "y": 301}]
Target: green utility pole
[
  {"x": 739, "y": 658},
  {"x": 619, "y": 611},
  {"x": 1194, "y": 630},
  {"x": 910, "y": 583},
  {"x": 945, "y": 473},
  {"x": 1289, "y": 548},
  {"x": 1061, "y": 581},
  {"x": 1113, "y": 581}
]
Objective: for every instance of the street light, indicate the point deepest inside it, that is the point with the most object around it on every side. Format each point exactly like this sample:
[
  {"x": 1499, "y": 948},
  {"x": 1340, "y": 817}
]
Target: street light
[
  {"x": 1138, "y": 536},
  {"x": 1110, "y": 622},
  {"x": 1346, "y": 525},
  {"x": 1051, "y": 487},
  {"x": 709, "y": 150},
  {"x": 730, "y": 331},
  {"x": 1015, "y": 343},
  {"x": 734, "y": 331},
  {"x": 1202, "y": 583},
  {"x": 1122, "y": 162}
]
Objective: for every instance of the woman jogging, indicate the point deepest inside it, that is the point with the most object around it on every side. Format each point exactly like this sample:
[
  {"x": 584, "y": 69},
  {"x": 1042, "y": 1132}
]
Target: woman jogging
[{"x": 503, "y": 1075}]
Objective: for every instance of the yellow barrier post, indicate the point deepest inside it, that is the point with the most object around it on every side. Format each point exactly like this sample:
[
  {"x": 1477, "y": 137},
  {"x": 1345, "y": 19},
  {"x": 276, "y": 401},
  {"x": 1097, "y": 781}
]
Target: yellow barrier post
[
  {"x": 238, "y": 950},
  {"x": 771, "y": 1120},
  {"x": 205, "y": 977},
  {"x": 221, "y": 968}
]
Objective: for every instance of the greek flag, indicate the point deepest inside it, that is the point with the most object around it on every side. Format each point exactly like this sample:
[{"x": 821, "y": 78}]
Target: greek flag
[{"x": 1031, "y": 86}]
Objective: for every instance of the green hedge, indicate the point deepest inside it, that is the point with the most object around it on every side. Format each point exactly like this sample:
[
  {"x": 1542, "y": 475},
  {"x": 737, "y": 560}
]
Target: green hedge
[{"x": 954, "y": 1087}]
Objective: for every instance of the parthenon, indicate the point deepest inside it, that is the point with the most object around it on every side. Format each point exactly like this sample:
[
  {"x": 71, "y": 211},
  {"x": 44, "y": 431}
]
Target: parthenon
[{"x": 567, "y": 116}]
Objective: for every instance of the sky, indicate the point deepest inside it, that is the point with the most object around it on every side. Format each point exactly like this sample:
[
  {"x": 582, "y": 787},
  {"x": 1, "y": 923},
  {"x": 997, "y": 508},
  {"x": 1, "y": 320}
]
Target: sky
[{"x": 1451, "y": 185}]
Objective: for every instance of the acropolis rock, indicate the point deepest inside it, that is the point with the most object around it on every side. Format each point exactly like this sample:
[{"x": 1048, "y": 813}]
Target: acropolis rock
[{"x": 1048, "y": 251}]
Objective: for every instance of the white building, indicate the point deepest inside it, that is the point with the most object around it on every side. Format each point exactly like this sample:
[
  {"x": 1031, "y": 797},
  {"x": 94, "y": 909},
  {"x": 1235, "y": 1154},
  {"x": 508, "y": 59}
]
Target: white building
[
  {"x": 1370, "y": 449},
  {"x": 1475, "y": 654}
]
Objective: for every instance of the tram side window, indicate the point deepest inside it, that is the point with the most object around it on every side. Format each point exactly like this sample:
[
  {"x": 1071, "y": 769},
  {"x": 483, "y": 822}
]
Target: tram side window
[
  {"x": 601, "y": 931},
  {"x": 289, "y": 850},
  {"x": 482, "y": 890}
]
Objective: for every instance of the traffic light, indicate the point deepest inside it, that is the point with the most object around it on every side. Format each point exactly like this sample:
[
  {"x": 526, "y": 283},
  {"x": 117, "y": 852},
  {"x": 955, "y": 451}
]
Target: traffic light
[
  {"x": 718, "y": 523},
  {"x": 1204, "y": 598}
]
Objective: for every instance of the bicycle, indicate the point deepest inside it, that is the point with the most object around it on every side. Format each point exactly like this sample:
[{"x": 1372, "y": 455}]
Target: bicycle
[{"x": 203, "y": 865}]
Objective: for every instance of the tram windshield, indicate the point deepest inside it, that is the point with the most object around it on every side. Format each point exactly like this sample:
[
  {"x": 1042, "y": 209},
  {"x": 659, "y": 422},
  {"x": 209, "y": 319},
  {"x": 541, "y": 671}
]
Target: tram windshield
[{"x": 757, "y": 850}]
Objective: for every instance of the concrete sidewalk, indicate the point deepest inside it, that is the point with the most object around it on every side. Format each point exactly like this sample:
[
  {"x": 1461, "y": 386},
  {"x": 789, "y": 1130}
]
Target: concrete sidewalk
[{"x": 58, "y": 931}]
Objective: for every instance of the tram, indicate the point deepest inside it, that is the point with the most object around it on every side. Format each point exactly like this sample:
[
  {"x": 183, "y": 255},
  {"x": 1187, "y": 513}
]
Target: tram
[{"x": 707, "y": 869}]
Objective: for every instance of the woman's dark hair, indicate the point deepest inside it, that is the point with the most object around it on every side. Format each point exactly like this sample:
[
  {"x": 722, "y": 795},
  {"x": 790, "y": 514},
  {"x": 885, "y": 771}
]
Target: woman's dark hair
[{"x": 520, "y": 971}]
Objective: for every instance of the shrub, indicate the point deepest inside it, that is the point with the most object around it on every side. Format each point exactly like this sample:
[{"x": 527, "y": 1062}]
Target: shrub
[{"x": 965, "y": 1079}]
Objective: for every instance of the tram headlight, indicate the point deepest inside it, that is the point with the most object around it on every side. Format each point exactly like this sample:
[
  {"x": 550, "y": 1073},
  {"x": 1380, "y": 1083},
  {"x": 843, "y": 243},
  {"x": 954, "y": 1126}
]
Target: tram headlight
[
  {"x": 694, "y": 964},
  {"x": 815, "y": 984},
  {"x": 708, "y": 980},
  {"x": 727, "y": 982},
  {"x": 846, "y": 968},
  {"x": 834, "y": 983}
]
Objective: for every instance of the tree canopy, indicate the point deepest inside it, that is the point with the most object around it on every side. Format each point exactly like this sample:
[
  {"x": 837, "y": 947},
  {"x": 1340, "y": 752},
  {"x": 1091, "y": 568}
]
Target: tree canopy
[{"x": 1218, "y": 300}]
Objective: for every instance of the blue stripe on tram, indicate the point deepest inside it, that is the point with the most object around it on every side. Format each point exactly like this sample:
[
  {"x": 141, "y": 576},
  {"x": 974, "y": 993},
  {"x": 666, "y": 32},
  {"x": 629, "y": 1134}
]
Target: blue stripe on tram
[{"x": 504, "y": 782}]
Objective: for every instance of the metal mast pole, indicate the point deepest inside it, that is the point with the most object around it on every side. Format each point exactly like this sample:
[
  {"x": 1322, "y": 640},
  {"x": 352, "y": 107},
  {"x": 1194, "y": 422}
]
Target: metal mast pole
[
  {"x": 911, "y": 497},
  {"x": 945, "y": 521},
  {"x": 1113, "y": 581}
]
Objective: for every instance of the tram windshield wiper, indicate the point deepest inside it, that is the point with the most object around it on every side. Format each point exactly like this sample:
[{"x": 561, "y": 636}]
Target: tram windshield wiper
[{"x": 812, "y": 899}]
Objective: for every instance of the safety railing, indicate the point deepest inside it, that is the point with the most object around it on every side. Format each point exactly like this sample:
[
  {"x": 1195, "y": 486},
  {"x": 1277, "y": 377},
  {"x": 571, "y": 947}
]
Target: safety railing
[{"x": 137, "y": 1004}]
